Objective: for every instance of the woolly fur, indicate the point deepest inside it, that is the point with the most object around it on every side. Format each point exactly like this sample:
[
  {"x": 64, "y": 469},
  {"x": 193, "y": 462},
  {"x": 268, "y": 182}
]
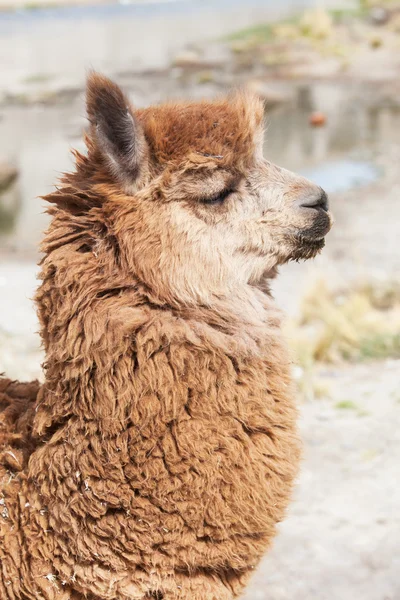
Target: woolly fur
[{"x": 159, "y": 454}]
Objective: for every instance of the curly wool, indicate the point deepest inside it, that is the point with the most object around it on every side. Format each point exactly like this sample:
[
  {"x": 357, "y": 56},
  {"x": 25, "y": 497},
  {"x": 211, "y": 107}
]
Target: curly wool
[{"x": 159, "y": 454}]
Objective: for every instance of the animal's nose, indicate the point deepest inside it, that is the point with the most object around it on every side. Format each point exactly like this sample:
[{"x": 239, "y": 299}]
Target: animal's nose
[{"x": 317, "y": 199}]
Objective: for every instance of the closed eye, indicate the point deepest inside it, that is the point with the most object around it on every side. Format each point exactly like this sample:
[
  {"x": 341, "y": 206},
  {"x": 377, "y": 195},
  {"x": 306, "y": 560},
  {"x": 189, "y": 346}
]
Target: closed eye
[{"x": 217, "y": 198}]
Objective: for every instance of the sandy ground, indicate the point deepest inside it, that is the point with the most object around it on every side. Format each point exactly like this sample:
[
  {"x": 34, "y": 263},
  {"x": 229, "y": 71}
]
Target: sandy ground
[{"x": 340, "y": 540}]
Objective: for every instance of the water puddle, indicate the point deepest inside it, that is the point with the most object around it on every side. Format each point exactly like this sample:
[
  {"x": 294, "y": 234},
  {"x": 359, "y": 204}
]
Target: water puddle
[
  {"x": 341, "y": 175},
  {"x": 341, "y": 154},
  {"x": 338, "y": 156}
]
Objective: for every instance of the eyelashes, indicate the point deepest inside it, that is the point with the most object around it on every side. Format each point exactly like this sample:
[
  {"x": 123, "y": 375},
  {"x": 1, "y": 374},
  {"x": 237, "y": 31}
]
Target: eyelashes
[{"x": 217, "y": 198}]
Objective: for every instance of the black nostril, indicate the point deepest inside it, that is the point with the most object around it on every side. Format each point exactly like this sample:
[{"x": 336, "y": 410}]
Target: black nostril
[{"x": 319, "y": 200}]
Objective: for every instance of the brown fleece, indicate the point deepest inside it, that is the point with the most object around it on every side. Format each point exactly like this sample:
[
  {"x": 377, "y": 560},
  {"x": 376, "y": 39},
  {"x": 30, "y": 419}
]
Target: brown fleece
[{"x": 162, "y": 446}]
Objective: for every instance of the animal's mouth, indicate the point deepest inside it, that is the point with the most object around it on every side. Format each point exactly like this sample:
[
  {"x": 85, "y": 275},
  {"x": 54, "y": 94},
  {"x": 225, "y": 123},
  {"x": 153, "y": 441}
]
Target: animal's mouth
[
  {"x": 304, "y": 240},
  {"x": 321, "y": 224},
  {"x": 308, "y": 242}
]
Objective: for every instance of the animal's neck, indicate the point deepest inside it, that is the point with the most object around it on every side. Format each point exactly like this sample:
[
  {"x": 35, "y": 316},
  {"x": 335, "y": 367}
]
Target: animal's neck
[{"x": 93, "y": 319}]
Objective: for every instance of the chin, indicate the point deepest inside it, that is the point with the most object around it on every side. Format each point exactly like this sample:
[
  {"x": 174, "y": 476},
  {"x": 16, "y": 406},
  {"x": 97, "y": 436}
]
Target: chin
[
  {"x": 306, "y": 248},
  {"x": 301, "y": 247}
]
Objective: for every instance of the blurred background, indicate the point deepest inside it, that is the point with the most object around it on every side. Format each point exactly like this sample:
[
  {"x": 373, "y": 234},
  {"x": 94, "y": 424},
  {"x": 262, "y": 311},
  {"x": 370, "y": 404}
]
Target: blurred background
[{"x": 329, "y": 73}]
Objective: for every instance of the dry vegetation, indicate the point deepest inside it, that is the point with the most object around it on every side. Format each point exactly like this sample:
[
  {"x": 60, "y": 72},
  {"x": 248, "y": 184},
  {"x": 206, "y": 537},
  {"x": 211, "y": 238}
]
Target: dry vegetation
[
  {"x": 340, "y": 38},
  {"x": 348, "y": 325}
]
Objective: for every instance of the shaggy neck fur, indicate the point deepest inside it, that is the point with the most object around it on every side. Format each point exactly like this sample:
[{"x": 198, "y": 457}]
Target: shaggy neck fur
[{"x": 94, "y": 308}]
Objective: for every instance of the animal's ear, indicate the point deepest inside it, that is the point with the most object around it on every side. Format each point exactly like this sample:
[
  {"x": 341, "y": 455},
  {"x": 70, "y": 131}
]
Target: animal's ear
[{"x": 114, "y": 129}]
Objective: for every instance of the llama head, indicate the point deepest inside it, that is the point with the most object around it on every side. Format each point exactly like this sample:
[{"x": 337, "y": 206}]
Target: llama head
[{"x": 195, "y": 208}]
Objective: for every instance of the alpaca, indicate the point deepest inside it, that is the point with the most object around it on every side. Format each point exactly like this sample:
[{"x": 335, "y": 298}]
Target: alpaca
[{"x": 159, "y": 454}]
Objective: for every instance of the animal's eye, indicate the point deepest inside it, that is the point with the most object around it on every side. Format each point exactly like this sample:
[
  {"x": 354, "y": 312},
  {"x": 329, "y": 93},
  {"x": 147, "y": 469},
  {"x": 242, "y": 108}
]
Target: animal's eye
[{"x": 217, "y": 198}]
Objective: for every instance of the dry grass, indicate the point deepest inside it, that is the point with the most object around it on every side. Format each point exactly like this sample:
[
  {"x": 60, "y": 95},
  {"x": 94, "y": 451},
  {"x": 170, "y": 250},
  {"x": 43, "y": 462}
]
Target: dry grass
[
  {"x": 339, "y": 34},
  {"x": 341, "y": 326}
]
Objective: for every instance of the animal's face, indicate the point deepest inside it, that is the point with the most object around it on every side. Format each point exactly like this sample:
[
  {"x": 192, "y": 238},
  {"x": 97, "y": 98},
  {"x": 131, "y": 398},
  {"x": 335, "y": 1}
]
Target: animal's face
[
  {"x": 195, "y": 206},
  {"x": 251, "y": 222}
]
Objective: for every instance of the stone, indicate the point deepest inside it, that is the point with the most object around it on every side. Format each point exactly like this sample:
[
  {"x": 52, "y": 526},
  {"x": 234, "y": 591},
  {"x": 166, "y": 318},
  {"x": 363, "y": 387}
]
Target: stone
[{"x": 317, "y": 119}]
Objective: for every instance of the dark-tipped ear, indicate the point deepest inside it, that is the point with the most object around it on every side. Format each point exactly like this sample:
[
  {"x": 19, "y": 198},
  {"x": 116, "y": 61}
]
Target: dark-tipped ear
[{"x": 114, "y": 128}]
